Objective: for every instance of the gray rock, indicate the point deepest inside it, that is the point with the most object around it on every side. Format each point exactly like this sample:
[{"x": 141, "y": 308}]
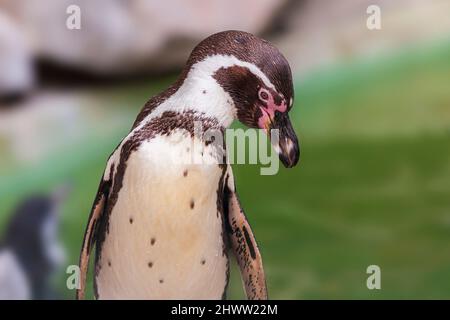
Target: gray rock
[
  {"x": 16, "y": 74},
  {"x": 119, "y": 36}
]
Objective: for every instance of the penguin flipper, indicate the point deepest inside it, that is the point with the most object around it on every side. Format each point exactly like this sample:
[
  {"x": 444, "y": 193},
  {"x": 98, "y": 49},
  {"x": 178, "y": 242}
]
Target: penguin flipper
[
  {"x": 90, "y": 235},
  {"x": 243, "y": 243}
]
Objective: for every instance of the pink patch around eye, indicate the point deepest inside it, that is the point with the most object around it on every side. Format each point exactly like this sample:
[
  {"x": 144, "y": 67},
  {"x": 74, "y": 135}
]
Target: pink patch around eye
[
  {"x": 272, "y": 107},
  {"x": 269, "y": 112}
]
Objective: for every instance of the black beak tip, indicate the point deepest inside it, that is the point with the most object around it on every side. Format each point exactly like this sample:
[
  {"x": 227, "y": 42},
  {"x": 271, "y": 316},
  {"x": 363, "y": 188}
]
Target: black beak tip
[{"x": 291, "y": 158}]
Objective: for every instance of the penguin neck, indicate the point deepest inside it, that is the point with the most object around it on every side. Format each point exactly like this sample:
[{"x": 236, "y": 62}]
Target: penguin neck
[
  {"x": 203, "y": 95},
  {"x": 200, "y": 93}
]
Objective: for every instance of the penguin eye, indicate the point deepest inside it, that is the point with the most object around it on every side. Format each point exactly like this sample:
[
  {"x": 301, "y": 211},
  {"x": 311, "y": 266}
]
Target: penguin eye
[{"x": 263, "y": 95}]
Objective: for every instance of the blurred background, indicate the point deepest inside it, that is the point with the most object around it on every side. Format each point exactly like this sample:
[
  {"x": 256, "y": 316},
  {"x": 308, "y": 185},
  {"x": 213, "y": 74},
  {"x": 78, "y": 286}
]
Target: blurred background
[{"x": 372, "y": 111}]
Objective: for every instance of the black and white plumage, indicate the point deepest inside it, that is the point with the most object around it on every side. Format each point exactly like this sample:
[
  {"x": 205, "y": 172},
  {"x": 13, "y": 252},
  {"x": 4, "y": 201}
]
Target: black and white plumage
[
  {"x": 163, "y": 223},
  {"x": 30, "y": 251}
]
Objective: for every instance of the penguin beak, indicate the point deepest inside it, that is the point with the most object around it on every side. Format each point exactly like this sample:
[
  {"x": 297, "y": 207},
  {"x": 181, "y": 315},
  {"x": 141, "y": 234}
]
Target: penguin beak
[{"x": 286, "y": 145}]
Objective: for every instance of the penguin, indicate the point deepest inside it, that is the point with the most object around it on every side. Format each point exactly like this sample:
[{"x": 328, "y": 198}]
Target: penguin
[
  {"x": 163, "y": 222},
  {"x": 30, "y": 251}
]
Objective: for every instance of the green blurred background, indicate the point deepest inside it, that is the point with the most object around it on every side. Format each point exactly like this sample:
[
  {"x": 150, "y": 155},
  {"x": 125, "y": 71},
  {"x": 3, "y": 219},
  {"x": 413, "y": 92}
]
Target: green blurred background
[{"x": 372, "y": 185}]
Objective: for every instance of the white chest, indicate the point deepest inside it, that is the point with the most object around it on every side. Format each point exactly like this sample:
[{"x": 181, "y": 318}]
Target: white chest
[{"x": 165, "y": 236}]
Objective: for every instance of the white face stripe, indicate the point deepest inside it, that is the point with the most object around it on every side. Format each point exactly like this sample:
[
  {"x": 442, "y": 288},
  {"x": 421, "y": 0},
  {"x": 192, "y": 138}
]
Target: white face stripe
[{"x": 216, "y": 103}]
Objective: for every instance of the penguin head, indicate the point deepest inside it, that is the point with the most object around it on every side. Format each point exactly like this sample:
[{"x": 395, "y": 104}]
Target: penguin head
[{"x": 257, "y": 78}]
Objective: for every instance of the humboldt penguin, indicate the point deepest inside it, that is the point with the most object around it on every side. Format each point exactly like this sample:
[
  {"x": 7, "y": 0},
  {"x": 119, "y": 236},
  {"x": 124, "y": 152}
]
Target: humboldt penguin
[
  {"x": 31, "y": 251},
  {"x": 166, "y": 213}
]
